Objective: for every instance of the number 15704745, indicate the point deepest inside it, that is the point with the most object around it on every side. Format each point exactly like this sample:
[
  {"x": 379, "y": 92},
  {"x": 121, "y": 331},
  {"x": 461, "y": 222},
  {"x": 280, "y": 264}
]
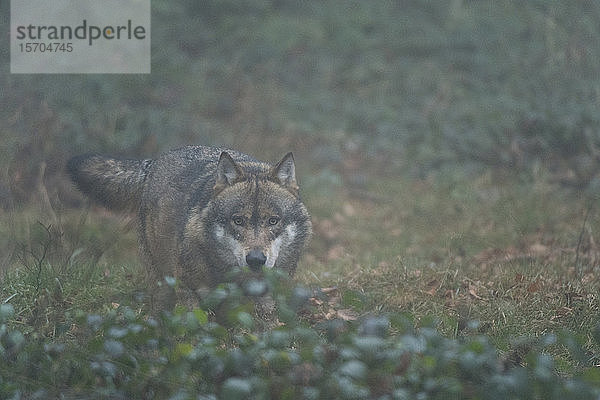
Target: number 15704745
[{"x": 41, "y": 47}]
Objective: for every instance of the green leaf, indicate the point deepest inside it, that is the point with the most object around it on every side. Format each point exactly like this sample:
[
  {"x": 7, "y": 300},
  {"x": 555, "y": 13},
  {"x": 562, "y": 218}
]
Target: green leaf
[
  {"x": 236, "y": 388},
  {"x": 255, "y": 287},
  {"x": 114, "y": 348},
  {"x": 375, "y": 326},
  {"x": 117, "y": 332},
  {"x": 245, "y": 319},
  {"x": 94, "y": 321},
  {"x": 15, "y": 340},
  {"x": 596, "y": 333},
  {"x": 182, "y": 350},
  {"x": 6, "y": 312},
  {"x": 201, "y": 316},
  {"x": 354, "y": 369},
  {"x": 170, "y": 281},
  {"x": 592, "y": 375},
  {"x": 353, "y": 299},
  {"x": 299, "y": 297}
]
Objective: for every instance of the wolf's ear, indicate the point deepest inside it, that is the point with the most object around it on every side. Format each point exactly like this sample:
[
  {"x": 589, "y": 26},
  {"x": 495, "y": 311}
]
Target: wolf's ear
[
  {"x": 228, "y": 173},
  {"x": 285, "y": 173}
]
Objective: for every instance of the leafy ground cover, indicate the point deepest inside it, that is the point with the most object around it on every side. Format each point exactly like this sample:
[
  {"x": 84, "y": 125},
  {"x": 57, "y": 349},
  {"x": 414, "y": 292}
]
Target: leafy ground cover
[
  {"x": 520, "y": 257},
  {"x": 447, "y": 287}
]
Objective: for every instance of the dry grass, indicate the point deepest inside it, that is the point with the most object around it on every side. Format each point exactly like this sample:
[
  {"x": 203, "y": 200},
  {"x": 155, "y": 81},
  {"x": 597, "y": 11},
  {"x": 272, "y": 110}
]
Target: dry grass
[{"x": 515, "y": 256}]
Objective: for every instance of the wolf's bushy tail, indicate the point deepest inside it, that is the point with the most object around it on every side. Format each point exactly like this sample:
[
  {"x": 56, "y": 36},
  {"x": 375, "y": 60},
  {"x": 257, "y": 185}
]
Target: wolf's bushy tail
[{"x": 114, "y": 183}]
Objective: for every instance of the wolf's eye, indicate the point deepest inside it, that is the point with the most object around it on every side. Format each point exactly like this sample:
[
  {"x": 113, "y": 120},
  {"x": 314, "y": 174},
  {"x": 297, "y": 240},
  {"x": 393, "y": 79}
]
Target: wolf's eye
[
  {"x": 274, "y": 220},
  {"x": 238, "y": 220}
]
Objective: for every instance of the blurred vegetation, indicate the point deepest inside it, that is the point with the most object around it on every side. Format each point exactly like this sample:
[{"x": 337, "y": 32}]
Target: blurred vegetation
[
  {"x": 123, "y": 354},
  {"x": 448, "y": 153},
  {"x": 411, "y": 86}
]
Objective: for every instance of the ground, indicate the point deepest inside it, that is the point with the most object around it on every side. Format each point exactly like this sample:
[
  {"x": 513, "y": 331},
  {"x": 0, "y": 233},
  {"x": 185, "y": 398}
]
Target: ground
[{"x": 491, "y": 254}]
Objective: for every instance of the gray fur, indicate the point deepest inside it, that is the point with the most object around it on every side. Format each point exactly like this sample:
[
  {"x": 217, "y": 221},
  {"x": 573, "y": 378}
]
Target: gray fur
[{"x": 201, "y": 210}]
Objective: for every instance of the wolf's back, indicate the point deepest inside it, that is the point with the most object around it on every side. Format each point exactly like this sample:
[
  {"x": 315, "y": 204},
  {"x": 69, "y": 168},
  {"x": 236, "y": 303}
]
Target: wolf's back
[{"x": 116, "y": 184}]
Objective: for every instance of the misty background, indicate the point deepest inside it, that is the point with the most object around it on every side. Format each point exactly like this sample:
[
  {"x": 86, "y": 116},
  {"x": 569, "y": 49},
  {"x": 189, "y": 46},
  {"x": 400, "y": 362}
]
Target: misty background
[{"x": 356, "y": 89}]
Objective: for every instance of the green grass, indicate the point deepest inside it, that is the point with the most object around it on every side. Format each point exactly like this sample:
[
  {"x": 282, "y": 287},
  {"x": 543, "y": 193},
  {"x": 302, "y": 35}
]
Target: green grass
[
  {"x": 58, "y": 267},
  {"x": 475, "y": 277},
  {"x": 490, "y": 248}
]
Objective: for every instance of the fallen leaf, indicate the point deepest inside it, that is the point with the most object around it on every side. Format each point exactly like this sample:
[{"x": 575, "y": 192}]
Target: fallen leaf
[
  {"x": 316, "y": 302},
  {"x": 449, "y": 302},
  {"x": 347, "y": 315},
  {"x": 326, "y": 228},
  {"x": 327, "y": 290},
  {"x": 336, "y": 252},
  {"x": 561, "y": 312},
  {"x": 349, "y": 209},
  {"x": 473, "y": 293},
  {"x": 432, "y": 287},
  {"x": 538, "y": 249},
  {"x": 534, "y": 287}
]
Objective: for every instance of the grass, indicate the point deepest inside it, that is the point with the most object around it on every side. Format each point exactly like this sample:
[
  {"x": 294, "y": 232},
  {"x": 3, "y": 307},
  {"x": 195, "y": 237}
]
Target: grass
[
  {"x": 81, "y": 262},
  {"x": 511, "y": 253}
]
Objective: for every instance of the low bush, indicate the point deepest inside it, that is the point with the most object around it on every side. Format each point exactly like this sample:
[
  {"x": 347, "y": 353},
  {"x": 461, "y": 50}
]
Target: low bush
[{"x": 193, "y": 354}]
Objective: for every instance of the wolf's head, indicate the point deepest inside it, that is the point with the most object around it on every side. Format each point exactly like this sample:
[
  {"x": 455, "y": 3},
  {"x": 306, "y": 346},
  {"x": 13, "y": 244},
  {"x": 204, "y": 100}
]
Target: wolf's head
[{"x": 255, "y": 217}]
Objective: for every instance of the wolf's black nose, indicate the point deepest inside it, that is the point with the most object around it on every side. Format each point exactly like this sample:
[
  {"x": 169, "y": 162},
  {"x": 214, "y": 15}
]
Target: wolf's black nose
[{"x": 256, "y": 259}]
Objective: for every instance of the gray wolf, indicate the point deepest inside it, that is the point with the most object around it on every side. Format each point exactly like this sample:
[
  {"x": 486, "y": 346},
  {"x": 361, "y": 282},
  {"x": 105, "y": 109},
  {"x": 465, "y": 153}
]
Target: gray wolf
[{"x": 203, "y": 211}]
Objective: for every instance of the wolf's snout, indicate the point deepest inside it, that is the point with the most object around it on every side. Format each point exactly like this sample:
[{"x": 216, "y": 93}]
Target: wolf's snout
[{"x": 256, "y": 259}]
